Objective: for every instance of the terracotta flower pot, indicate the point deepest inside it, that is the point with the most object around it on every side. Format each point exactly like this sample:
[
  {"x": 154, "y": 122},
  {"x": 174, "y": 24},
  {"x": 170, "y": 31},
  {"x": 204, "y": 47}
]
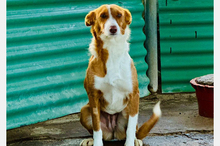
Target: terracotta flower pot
[{"x": 204, "y": 94}]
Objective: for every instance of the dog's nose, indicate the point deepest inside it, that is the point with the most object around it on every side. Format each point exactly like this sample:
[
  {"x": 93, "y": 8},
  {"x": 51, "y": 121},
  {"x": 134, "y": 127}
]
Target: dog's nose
[{"x": 113, "y": 29}]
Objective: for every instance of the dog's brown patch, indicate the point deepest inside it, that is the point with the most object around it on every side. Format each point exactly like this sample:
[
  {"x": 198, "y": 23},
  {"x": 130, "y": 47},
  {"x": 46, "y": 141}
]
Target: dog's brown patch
[{"x": 122, "y": 16}]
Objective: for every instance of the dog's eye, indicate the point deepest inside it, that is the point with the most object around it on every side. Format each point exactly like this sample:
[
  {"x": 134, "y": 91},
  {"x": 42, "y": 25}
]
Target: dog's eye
[
  {"x": 119, "y": 15},
  {"x": 103, "y": 16}
]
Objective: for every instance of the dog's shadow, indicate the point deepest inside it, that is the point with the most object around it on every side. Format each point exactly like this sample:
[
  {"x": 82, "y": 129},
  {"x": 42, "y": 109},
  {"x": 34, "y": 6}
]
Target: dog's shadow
[{"x": 117, "y": 143}]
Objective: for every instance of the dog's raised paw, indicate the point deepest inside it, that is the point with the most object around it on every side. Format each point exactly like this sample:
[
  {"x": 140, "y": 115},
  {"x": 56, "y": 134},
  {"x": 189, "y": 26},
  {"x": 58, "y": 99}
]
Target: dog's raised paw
[
  {"x": 138, "y": 142},
  {"x": 87, "y": 142}
]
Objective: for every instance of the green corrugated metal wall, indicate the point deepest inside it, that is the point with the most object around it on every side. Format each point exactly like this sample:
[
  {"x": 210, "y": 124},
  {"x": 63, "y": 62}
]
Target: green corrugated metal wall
[
  {"x": 186, "y": 42},
  {"x": 47, "y": 56}
]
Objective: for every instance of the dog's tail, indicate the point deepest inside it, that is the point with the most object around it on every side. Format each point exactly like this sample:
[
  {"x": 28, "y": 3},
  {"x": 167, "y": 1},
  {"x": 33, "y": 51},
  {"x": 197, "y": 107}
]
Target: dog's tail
[{"x": 147, "y": 126}]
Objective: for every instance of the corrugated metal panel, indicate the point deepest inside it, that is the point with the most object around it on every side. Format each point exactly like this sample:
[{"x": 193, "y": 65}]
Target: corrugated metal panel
[
  {"x": 47, "y": 56},
  {"x": 186, "y": 42}
]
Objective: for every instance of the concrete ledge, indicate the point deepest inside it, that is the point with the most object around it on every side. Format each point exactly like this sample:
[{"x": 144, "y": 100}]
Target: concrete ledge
[{"x": 180, "y": 124}]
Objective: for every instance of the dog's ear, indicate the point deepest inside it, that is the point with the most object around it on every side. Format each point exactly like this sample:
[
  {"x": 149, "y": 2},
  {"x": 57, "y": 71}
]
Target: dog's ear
[
  {"x": 128, "y": 17},
  {"x": 90, "y": 18}
]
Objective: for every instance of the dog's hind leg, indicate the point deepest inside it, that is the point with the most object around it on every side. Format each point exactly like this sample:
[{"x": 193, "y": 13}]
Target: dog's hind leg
[
  {"x": 86, "y": 121},
  {"x": 86, "y": 118}
]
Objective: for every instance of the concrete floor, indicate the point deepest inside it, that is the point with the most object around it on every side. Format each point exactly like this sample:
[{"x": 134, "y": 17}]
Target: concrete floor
[{"x": 180, "y": 125}]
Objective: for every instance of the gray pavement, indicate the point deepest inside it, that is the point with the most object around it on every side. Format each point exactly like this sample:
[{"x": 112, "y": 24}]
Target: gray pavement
[{"x": 180, "y": 125}]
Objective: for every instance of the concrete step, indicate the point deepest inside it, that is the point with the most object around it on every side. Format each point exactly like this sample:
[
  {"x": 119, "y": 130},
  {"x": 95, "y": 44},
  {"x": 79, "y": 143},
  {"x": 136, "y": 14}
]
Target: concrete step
[{"x": 180, "y": 124}]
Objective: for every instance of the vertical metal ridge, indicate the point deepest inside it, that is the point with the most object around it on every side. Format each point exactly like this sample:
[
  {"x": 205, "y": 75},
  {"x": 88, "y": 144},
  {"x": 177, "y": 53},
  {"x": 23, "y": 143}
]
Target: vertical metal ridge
[
  {"x": 151, "y": 43},
  {"x": 144, "y": 13}
]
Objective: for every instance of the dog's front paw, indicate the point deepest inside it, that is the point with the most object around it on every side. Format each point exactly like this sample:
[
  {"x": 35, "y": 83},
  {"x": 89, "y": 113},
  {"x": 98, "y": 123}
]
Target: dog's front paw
[
  {"x": 87, "y": 142},
  {"x": 137, "y": 142}
]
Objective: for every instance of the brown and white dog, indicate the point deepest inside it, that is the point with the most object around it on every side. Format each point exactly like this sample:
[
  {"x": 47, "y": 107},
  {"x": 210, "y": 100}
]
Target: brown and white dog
[{"x": 111, "y": 81}]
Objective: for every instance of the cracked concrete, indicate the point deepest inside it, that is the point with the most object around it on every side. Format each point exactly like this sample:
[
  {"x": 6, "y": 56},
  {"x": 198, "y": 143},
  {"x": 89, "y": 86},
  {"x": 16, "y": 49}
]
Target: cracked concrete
[{"x": 180, "y": 125}]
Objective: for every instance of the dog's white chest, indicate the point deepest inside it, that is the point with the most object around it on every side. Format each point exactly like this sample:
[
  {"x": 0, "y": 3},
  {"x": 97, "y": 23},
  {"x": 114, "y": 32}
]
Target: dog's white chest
[{"x": 117, "y": 83}]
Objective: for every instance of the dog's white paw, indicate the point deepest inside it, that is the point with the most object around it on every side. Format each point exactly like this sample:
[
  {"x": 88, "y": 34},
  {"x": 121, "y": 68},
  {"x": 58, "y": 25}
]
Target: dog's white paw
[
  {"x": 87, "y": 142},
  {"x": 138, "y": 142}
]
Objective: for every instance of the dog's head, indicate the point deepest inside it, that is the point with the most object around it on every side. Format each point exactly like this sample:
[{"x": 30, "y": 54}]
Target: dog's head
[{"x": 108, "y": 20}]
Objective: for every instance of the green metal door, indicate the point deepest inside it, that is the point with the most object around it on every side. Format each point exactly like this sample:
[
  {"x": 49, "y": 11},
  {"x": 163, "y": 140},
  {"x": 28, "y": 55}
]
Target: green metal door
[
  {"x": 186, "y": 42},
  {"x": 47, "y": 56}
]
